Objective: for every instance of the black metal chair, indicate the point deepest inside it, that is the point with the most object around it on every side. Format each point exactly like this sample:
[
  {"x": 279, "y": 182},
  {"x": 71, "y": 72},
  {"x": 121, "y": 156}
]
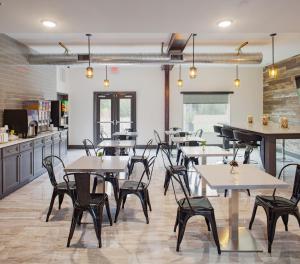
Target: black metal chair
[
  {"x": 141, "y": 158},
  {"x": 59, "y": 189},
  {"x": 138, "y": 188},
  {"x": 84, "y": 200},
  {"x": 277, "y": 206},
  {"x": 179, "y": 152},
  {"x": 194, "y": 160},
  {"x": 123, "y": 151},
  {"x": 192, "y": 206},
  {"x": 158, "y": 142},
  {"x": 227, "y": 132},
  {"x": 199, "y": 133},
  {"x": 175, "y": 128},
  {"x": 109, "y": 177},
  {"x": 173, "y": 169}
]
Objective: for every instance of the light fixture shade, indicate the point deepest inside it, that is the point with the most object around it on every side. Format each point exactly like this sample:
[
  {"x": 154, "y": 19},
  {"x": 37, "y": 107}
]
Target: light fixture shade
[
  {"x": 193, "y": 72},
  {"x": 106, "y": 83},
  {"x": 237, "y": 83},
  {"x": 273, "y": 71},
  {"x": 89, "y": 72},
  {"x": 180, "y": 82}
]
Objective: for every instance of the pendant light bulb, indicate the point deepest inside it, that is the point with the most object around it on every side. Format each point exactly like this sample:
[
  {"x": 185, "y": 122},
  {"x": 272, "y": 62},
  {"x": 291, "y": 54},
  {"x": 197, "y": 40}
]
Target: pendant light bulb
[
  {"x": 106, "y": 81},
  {"x": 273, "y": 69},
  {"x": 193, "y": 69},
  {"x": 89, "y": 72},
  {"x": 180, "y": 81}
]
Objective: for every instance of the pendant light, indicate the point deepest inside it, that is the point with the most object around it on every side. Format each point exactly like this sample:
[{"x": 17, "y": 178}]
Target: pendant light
[
  {"x": 106, "y": 81},
  {"x": 273, "y": 69},
  {"x": 89, "y": 72},
  {"x": 193, "y": 69},
  {"x": 180, "y": 81},
  {"x": 237, "y": 81}
]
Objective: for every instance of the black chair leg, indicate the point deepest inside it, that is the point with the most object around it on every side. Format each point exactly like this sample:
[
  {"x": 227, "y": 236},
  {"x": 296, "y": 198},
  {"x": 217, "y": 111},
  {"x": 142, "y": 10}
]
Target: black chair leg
[
  {"x": 167, "y": 181},
  {"x": 183, "y": 218},
  {"x": 124, "y": 201},
  {"x": 271, "y": 231},
  {"x": 97, "y": 219},
  {"x": 215, "y": 231},
  {"x": 144, "y": 205},
  {"x": 60, "y": 199},
  {"x": 248, "y": 191},
  {"x": 94, "y": 185},
  {"x": 118, "y": 206},
  {"x": 73, "y": 225},
  {"x": 54, "y": 194},
  {"x": 285, "y": 219},
  {"x": 186, "y": 181},
  {"x": 79, "y": 217},
  {"x": 207, "y": 223},
  {"x": 148, "y": 200},
  {"x": 253, "y": 215},
  {"x": 225, "y": 193},
  {"x": 108, "y": 211},
  {"x": 176, "y": 221},
  {"x": 297, "y": 215}
]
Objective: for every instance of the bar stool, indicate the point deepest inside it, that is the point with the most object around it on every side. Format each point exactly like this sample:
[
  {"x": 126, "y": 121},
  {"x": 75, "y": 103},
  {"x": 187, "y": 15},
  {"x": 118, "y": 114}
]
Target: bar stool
[{"x": 227, "y": 132}]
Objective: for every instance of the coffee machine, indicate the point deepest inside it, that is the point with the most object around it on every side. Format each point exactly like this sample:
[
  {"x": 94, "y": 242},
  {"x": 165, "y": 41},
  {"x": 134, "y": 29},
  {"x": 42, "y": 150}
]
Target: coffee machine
[{"x": 23, "y": 122}]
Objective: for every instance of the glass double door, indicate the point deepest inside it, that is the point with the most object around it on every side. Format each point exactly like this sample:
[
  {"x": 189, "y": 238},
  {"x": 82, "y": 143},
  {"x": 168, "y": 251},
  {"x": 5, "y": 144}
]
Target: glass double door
[{"x": 114, "y": 112}]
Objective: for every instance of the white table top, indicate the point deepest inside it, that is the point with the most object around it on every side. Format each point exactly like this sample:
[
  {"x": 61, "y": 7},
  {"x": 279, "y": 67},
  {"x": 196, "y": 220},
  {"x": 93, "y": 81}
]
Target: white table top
[
  {"x": 178, "y": 140},
  {"x": 248, "y": 176},
  {"x": 173, "y": 132},
  {"x": 116, "y": 143},
  {"x": 209, "y": 151},
  {"x": 270, "y": 129},
  {"x": 124, "y": 133},
  {"x": 95, "y": 164}
]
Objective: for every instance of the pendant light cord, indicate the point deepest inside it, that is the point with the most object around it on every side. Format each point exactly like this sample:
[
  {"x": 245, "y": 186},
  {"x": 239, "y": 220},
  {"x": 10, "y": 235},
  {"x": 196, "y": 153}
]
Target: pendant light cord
[
  {"x": 237, "y": 71},
  {"x": 273, "y": 49},
  {"x": 106, "y": 72},
  {"x": 193, "y": 48},
  {"x": 180, "y": 72}
]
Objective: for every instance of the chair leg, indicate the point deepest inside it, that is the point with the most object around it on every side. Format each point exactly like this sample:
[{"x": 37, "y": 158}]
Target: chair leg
[
  {"x": 148, "y": 200},
  {"x": 183, "y": 218},
  {"x": 297, "y": 215},
  {"x": 94, "y": 185},
  {"x": 186, "y": 181},
  {"x": 96, "y": 214},
  {"x": 60, "y": 199},
  {"x": 144, "y": 205},
  {"x": 215, "y": 231},
  {"x": 271, "y": 230},
  {"x": 54, "y": 194},
  {"x": 79, "y": 217},
  {"x": 248, "y": 191},
  {"x": 145, "y": 163},
  {"x": 108, "y": 211},
  {"x": 124, "y": 201},
  {"x": 225, "y": 193},
  {"x": 285, "y": 219},
  {"x": 73, "y": 225},
  {"x": 118, "y": 205},
  {"x": 207, "y": 223},
  {"x": 176, "y": 221},
  {"x": 253, "y": 215},
  {"x": 167, "y": 181}
]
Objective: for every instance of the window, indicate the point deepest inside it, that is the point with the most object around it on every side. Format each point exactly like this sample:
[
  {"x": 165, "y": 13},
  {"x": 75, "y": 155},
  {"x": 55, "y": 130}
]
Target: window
[{"x": 204, "y": 110}]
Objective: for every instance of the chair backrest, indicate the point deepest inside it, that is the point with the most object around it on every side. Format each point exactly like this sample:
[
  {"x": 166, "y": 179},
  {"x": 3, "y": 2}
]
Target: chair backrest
[
  {"x": 149, "y": 169},
  {"x": 157, "y": 137},
  {"x": 295, "y": 198},
  {"x": 89, "y": 147},
  {"x": 199, "y": 133},
  {"x": 176, "y": 180},
  {"x": 83, "y": 193},
  {"x": 166, "y": 156},
  {"x": 147, "y": 150},
  {"x": 48, "y": 164},
  {"x": 218, "y": 129}
]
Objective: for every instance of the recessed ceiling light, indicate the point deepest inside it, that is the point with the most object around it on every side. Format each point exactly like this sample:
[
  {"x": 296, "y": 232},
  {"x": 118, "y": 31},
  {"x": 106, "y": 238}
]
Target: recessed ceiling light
[
  {"x": 224, "y": 23},
  {"x": 48, "y": 23}
]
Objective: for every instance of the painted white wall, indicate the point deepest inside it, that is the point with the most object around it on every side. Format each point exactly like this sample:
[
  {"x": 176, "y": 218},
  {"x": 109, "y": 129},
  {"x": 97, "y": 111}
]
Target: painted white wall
[
  {"x": 147, "y": 82},
  {"x": 247, "y": 99},
  {"x": 62, "y": 80}
]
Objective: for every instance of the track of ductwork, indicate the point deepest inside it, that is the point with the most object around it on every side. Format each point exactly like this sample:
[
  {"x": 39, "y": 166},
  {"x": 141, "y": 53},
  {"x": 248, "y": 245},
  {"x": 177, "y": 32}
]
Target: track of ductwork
[{"x": 160, "y": 59}]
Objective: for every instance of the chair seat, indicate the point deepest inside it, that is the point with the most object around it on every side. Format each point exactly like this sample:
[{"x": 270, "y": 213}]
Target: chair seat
[
  {"x": 275, "y": 201},
  {"x": 198, "y": 203},
  {"x": 132, "y": 185},
  {"x": 63, "y": 185},
  {"x": 137, "y": 158}
]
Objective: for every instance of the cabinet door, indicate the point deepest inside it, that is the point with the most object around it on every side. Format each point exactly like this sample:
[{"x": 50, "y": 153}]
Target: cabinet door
[
  {"x": 26, "y": 165},
  {"x": 47, "y": 150},
  {"x": 10, "y": 172},
  {"x": 1, "y": 191},
  {"x": 38, "y": 160},
  {"x": 56, "y": 151},
  {"x": 63, "y": 148}
]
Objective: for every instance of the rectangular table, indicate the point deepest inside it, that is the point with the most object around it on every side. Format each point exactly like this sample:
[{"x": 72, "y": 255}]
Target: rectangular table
[
  {"x": 98, "y": 164},
  {"x": 203, "y": 153},
  {"x": 270, "y": 134},
  {"x": 234, "y": 237},
  {"x": 181, "y": 140},
  {"x": 124, "y": 133},
  {"x": 107, "y": 143}
]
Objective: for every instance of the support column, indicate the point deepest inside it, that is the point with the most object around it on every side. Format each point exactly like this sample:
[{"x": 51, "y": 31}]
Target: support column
[{"x": 167, "y": 69}]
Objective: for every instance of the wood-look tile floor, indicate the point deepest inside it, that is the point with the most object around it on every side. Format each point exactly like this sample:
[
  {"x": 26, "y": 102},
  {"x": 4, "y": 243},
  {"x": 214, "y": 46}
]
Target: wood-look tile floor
[{"x": 25, "y": 237}]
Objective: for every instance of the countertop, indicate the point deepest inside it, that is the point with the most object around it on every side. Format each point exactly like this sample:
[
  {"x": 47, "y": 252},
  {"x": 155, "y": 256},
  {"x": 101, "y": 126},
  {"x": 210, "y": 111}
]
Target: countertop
[{"x": 22, "y": 140}]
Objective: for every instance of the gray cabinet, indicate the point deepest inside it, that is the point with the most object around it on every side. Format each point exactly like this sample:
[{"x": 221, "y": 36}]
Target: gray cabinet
[
  {"x": 1, "y": 191},
  {"x": 10, "y": 168},
  {"x": 63, "y": 144},
  {"x": 47, "y": 147},
  {"x": 26, "y": 163},
  {"x": 56, "y": 152},
  {"x": 38, "y": 151}
]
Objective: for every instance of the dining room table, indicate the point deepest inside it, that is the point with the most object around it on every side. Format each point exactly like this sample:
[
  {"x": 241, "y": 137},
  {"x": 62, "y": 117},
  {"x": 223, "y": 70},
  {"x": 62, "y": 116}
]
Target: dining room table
[
  {"x": 246, "y": 176},
  {"x": 130, "y": 134}
]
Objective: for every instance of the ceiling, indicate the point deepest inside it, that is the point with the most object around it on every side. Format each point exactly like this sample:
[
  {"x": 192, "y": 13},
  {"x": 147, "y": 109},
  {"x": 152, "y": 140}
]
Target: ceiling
[{"x": 141, "y": 25}]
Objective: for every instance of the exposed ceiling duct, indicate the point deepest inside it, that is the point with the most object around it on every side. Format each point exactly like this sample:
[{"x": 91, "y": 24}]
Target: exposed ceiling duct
[{"x": 122, "y": 58}]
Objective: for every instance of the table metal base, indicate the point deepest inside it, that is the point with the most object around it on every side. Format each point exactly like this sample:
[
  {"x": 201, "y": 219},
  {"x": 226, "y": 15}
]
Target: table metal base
[{"x": 245, "y": 242}]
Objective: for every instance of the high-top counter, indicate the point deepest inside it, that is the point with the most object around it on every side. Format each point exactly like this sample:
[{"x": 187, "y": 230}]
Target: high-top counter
[
  {"x": 270, "y": 133},
  {"x": 21, "y": 160}
]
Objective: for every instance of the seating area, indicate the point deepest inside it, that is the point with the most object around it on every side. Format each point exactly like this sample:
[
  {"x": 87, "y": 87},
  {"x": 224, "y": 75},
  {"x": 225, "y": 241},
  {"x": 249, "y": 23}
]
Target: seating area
[{"x": 149, "y": 131}]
